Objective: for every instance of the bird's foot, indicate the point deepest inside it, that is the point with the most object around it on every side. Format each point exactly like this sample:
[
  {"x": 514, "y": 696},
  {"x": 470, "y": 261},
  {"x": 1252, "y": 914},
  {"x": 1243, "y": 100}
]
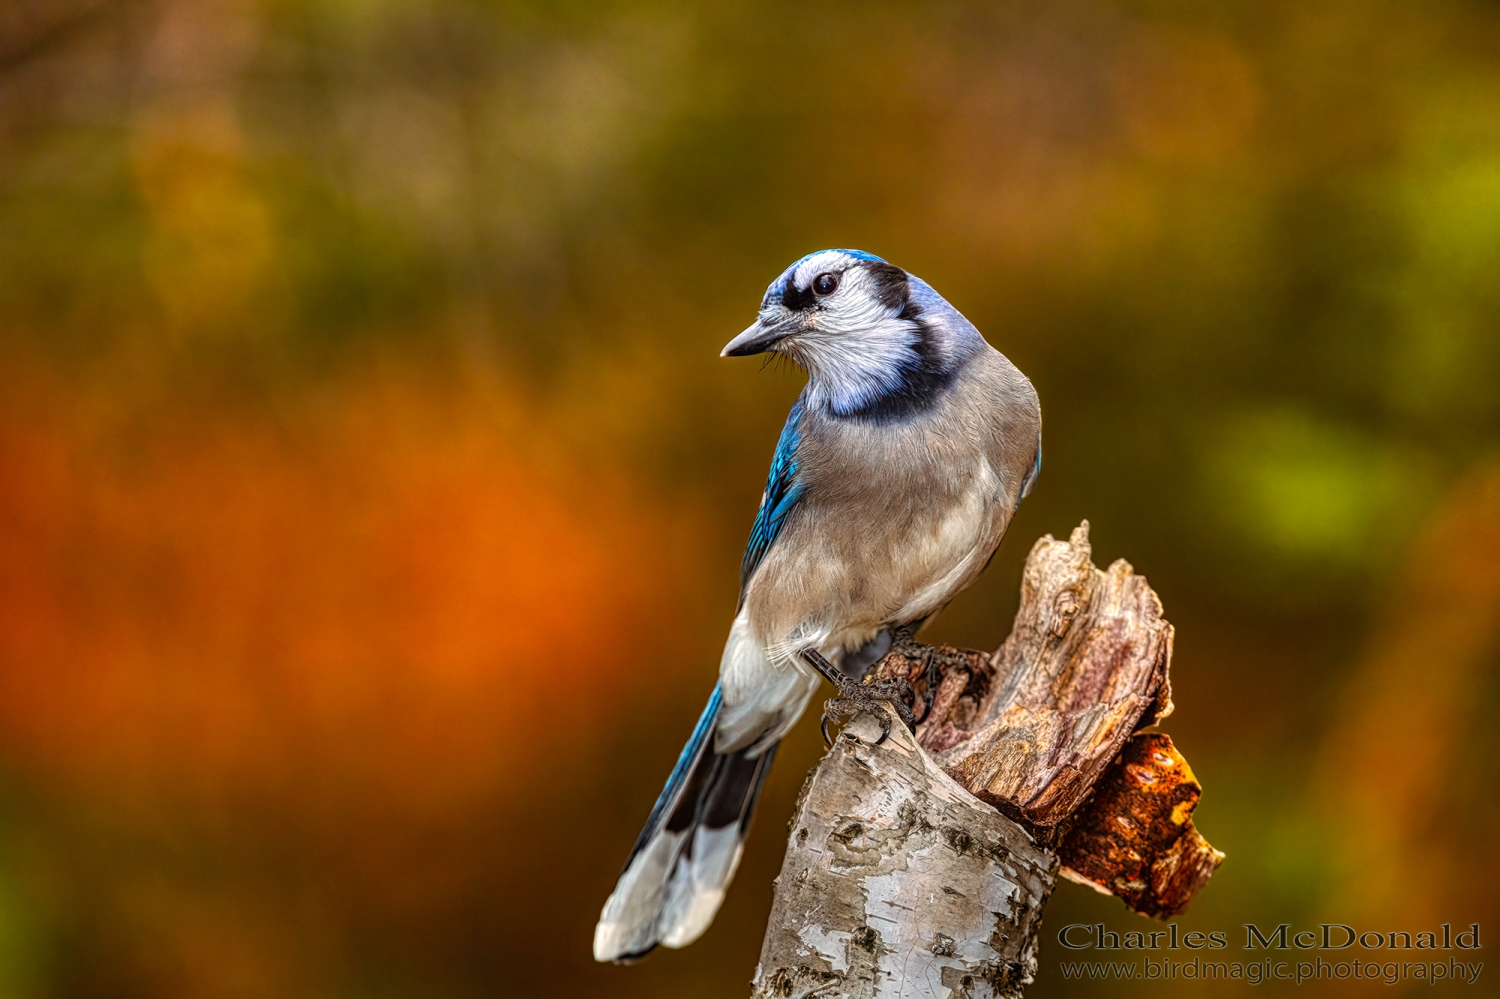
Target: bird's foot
[
  {"x": 932, "y": 658},
  {"x": 855, "y": 697}
]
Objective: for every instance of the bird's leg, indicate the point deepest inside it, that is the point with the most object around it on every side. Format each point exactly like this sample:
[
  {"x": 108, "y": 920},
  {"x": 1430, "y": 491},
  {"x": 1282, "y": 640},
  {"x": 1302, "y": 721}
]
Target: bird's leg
[
  {"x": 904, "y": 644},
  {"x": 855, "y": 696}
]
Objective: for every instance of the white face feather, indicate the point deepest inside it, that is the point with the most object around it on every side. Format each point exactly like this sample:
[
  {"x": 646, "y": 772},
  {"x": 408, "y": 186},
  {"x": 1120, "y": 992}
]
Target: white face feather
[{"x": 855, "y": 347}]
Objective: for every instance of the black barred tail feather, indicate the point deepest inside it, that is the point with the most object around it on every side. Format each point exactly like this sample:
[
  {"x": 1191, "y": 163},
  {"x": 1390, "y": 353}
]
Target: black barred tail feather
[{"x": 685, "y": 857}]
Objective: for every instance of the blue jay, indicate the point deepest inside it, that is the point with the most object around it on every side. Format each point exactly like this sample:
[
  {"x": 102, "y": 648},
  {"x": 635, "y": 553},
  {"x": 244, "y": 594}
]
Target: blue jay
[{"x": 899, "y": 467}]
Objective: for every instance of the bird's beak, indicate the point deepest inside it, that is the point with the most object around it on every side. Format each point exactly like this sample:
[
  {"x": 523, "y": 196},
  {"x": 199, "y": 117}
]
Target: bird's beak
[{"x": 762, "y": 335}]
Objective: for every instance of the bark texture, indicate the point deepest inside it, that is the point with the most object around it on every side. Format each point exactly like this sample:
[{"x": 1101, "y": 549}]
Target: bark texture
[
  {"x": 898, "y": 882},
  {"x": 920, "y": 866},
  {"x": 1084, "y": 666}
]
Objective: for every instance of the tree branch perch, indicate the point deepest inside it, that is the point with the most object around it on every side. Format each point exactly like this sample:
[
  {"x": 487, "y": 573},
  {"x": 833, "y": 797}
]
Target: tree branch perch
[{"x": 920, "y": 866}]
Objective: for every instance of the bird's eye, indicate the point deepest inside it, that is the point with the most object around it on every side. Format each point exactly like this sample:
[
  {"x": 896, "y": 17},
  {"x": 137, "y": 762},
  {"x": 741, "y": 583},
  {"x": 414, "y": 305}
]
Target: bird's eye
[{"x": 826, "y": 284}]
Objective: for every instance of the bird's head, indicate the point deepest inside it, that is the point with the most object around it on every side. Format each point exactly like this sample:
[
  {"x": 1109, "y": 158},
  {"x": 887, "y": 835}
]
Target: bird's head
[{"x": 873, "y": 338}]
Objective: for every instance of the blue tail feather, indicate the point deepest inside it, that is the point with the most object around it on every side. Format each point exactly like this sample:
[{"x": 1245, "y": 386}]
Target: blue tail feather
[
  {"x": 690, "y": 755},
  {"x": 685, "y": 856}
]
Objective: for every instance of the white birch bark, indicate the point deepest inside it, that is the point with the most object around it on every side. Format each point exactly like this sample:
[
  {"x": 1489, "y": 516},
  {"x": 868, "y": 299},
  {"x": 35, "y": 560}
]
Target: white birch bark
[{"x": 898, "y": 882}]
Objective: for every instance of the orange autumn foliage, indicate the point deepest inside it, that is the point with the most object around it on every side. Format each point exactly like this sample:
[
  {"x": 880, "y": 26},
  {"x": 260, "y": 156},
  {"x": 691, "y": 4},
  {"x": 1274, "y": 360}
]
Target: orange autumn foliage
[{"x": 368, "y": 601}]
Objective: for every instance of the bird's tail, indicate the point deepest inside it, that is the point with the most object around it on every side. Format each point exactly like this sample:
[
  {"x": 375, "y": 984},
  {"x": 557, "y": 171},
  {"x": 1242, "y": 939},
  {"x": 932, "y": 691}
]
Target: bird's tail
[{"x": 684, "y": 858}]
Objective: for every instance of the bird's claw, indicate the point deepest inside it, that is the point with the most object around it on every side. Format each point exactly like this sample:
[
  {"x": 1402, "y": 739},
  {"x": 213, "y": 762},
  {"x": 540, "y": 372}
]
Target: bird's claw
[
  {"x": 872, "y": 698},
  {"x": 931, "y": 677},
  {"x": 855, "y": 697},
  {"x": 904, "y": 644}
]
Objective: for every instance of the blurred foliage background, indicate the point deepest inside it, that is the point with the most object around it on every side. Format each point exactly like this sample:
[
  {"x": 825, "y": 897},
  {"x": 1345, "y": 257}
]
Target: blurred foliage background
[{"x": 371, "y": 492}]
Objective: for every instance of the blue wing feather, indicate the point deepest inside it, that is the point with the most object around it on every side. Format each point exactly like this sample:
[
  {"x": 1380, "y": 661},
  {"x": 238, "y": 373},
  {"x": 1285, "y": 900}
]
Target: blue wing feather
[
  {"x": 783, "y": 490},
  {"x": 1033, "y": 472}
]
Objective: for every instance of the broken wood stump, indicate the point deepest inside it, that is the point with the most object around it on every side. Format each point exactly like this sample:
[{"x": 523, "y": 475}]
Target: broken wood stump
[
  {"x": 920, "y": 866},
  {"x": 1136, "y": 839}
]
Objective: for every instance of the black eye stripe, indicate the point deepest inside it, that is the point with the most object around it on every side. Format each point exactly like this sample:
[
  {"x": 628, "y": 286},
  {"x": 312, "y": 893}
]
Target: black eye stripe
[
  {"x": 795, "y": 299},
  {"x": 890, "y": 287}
]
